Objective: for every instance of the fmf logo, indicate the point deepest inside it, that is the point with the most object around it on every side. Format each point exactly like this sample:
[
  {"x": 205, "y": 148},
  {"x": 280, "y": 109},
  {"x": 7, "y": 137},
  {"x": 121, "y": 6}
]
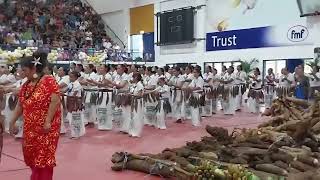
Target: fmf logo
[{"x": 297, "y": 33}]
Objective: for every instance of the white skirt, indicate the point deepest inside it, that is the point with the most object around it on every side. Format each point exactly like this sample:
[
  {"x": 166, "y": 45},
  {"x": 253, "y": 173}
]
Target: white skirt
[
  {"x": 137, "y": 123},
  {"x": 229, "y": 106},
  {"x": 19, "y": 124},
  {"x": 77, "y": 125},
  {"x": 176, "y": 104},
  {"x": 161, "y": 117},
  {"x": 104, "y": 112}
]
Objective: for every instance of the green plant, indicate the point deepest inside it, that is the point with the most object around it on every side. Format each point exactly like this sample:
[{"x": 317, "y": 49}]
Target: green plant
[
  {"x": 314, "y": 63},
  {"x": 247, "y": 65}
]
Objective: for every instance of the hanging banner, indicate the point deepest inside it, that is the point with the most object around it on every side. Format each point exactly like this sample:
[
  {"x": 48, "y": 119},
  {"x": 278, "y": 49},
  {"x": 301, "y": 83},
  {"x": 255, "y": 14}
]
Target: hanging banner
[{"x": 271, "y": 36}]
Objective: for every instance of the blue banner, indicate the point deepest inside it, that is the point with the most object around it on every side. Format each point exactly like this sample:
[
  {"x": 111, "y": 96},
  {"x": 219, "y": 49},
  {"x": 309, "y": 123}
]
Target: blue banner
[{"x": 258, "y": 38}]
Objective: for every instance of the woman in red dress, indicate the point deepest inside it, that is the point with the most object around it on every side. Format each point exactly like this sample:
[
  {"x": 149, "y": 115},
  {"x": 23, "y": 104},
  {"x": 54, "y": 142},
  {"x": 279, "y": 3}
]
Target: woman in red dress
[{"x": 39, "y": 104}]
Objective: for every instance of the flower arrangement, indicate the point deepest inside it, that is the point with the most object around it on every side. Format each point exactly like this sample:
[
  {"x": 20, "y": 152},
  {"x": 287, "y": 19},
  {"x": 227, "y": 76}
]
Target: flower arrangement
[
  {"x": 53, "y": 56},
  {"x": 97, "y": 58},
  {"x": 12, "y": 56}
]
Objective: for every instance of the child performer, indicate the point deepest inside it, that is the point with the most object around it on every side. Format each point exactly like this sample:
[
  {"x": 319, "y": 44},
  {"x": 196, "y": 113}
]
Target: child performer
[
  {"x": 163, "y": 107},
  {"x": 137, "y": 111},
  {"x": 75, "y": 106}
]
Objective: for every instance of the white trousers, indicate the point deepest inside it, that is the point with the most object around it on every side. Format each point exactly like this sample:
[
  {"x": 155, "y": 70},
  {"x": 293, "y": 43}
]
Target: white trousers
[
  {"x": 161, "y": 117},
  {"x": 77, "y": 125}
]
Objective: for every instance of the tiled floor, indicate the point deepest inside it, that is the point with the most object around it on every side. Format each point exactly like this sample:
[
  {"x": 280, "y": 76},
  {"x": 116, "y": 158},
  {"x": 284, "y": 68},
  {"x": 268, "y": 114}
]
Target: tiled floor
[{"x": 89, "y": 157}]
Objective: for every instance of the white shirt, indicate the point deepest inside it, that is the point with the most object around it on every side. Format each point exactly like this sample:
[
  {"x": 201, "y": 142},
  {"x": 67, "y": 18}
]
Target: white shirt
[
  {"x": 164, "y": 91},
  {"x": 136, "y": 88},
  {"x": 73, "y": 87},
  {"x": 272, "y": 77},
  {"x": 20, "y": 82},
  {"x": 228, "y": 77},
  {"x": 257, "y": 84},
  {"x": 93, "y": 76},
  {"x": 197, "y": 82},
  {"x": 121, "y": 78},
  {"x": 8, "y": 77},
  {"x": 167, "y": 75},
  {"x": 240, "y": 77},
  {"x": 284, "y": 83},
  {"x": 313, "y": 81},
  {"x": 150, "y": 80},
  {"x": 207, "y": 76},
  {"x": 64, "y": 79},
  {"x": 177, "y": 80}
]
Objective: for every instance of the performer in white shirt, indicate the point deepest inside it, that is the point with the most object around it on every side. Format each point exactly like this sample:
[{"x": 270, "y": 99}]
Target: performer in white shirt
[
  {"x": 255, "y": 95},
  {"x": 208, "y": 82},
  {"x": 185, "y": 107},
  {"x": 63, "y": 81},
  {"x": 104, "y": 101},
  {"x": 7, "y": 79},
  {"x": 240, "y": 83},
  {"x": 75, "y": 106},
  {"x": 269, "y": 88},
  {"x": 136, "y": 91},
  {"x": 286, "y": 83},
  {"x": 195, "y": 100},
  {"x": 150, "y": 82},
  {"x": 228, "y": 99},
  {"x": 176, "y": 82},
  {"x": 13, "y": 99},
  {"x": 168, "y": 73},
  {"x": 314, "y": 79},
  {"x": 215, "y": 93},
  {"x": 122, "y": 110},
  {"x": 163, "y": 107},
  {"x": 91, "y": 94}
]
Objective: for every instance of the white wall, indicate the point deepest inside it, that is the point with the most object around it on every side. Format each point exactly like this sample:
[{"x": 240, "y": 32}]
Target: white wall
[
  {"x": 119, "y": 22},
  {"x": 195, "y": 52},
  {"x": 106, "y": 6}
]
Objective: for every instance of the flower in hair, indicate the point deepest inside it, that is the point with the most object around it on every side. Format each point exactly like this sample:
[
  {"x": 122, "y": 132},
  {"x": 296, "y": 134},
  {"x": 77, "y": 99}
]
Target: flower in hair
[{"x": 36, "y": 61}]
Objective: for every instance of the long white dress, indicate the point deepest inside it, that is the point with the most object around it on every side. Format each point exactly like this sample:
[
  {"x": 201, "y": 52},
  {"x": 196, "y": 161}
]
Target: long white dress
[
  {"x": 206, "y": 110},
  {"x": 90, "y": 112},
  {"x": 104, "y": 111},
  {"x": 19, "y": 123},
  {"x": 137, "y": 123},
  {"x": 64, "y": 112},
  {"x": 185, "y": 108},
  {"x": 176, "y": 96},
  {"x": 76, "y": 121},
  {"x": 122, "y": 118},
  {"x": 269, "y": 90},
  {"x": 215, "y": 86},
  {"x": 164, "y": 99},
  {"x": 253, "y": 103},
  {"x": 229, "y": 104},
  {"x": 150, "y": 106},
  {"x": 240, "y": 81},
  {"x": 195, "y": 111},
  {"x": 7, "y": 111}
]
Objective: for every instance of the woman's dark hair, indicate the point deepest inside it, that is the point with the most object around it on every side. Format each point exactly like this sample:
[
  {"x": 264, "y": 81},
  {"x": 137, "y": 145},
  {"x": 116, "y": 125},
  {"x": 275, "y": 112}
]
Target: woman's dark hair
[
  {"x": 107, "y": 67},
  {"x": 210, "y": 68},
  {"x": 198, "y": 70},
  {"x": 138, "y": 76},
  {"x": 224, "y": 67},
  {"x": 258, "y": 70},
  {"x": 80, "y": 66},
  {"x": 162, "y": 71},
  {"x": 317, "y": 68},
  {"x": 149, "y": 68},
  {"x": 190, "y": 67},
  {"x": 93, "y": 69},
  {"x": 240, "y": 66},
  {"x": 75, "y": 74},
  {"x": 177, "y": 69},
  {"x": 166, "y": 68},
  {"x": 31, "y": 62}
]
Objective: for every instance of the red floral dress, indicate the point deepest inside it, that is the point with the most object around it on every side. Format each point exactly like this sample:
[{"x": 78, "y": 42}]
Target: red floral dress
[{"x": 39, "y": 148}]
